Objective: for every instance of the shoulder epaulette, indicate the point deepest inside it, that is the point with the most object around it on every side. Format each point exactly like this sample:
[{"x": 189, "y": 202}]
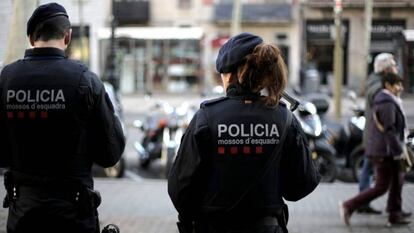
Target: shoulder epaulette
[
  {"x": 80, "y": 64},
  {"x": 213, "y": 101}
]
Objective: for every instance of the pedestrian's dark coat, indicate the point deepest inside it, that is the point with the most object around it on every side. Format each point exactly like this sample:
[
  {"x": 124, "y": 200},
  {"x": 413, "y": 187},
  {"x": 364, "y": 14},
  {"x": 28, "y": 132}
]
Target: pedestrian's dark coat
[
  {"x": 390, "y": 115},
  {"x": 373, "y": 86}
]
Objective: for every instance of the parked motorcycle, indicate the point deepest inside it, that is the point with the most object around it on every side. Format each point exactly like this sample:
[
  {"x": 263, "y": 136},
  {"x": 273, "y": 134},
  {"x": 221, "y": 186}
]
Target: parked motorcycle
[
  {"x": 116, "y": 171},
  {"x": 323, "y": 153},
  {"x": 410, "y": 142},
  {"x": 162, "y": 131},
  {"x": 347, "y": 140}
]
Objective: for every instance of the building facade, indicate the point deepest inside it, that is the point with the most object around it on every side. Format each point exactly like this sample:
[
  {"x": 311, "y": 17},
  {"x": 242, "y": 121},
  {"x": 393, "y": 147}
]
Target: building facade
[
  {"x": 389, "y": 20},
  {"x": 171, "y": 45}
]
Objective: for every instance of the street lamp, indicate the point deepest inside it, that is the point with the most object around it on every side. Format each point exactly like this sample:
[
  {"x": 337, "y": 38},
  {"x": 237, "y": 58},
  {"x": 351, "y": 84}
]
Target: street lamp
[{"x": 338, "y": 58}]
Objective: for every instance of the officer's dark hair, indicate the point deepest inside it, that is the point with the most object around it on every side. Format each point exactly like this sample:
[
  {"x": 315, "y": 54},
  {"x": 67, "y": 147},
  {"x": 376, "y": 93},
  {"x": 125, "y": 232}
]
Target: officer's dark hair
[
  {"x": 263, "y": 69},
  {"x": 390, "y": 78},
  {"x": 51, "y": 29}
]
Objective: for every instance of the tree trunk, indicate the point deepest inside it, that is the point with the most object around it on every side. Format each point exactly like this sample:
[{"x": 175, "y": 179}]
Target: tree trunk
[{"x": 17, "y": 41}]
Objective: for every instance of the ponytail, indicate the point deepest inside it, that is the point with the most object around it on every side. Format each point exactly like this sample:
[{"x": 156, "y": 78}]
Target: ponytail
[{"x": 264, "y": 69}]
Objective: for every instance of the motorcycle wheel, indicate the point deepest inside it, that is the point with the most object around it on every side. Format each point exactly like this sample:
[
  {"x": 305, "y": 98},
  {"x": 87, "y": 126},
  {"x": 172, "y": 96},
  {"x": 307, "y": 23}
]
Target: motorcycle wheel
[
  {"x": 116, "y": 171},
  {"x": 357, "y": 163},
  {"x": 144, "y": 163},
  {"x": 326, "y": 166}
]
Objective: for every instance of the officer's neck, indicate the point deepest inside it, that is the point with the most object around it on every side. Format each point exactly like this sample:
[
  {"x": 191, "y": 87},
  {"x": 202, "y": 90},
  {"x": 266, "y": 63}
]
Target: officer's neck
[{"x": 60, "y": 44}]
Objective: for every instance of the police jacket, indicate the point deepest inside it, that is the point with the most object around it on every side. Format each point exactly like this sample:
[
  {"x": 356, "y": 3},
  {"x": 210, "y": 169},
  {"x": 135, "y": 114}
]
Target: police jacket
[
  {"x": 56, "y": 119},
  {"x": 226, "y": 145}
]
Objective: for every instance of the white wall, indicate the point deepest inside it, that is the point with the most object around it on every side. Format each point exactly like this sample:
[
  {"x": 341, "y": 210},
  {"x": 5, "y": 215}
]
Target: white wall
[{"x": 5, "y": 16}]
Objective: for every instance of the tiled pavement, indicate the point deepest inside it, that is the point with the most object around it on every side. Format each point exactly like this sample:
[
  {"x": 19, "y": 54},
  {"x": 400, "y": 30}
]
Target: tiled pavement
[{"x": 144, "y": 207}]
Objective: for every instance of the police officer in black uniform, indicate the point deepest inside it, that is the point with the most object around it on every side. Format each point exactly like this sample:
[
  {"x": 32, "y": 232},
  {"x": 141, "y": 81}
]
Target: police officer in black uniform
[
  {"x": 244, "y": 152},
  {"x": 56, "y": 120}
]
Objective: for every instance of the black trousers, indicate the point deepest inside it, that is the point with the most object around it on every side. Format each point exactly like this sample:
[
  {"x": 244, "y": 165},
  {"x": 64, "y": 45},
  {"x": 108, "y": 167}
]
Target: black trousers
[
  {"x": 28, "y": 215},
  {"x": 259, "y": 229},
  {"x": 265, "y": 225}
]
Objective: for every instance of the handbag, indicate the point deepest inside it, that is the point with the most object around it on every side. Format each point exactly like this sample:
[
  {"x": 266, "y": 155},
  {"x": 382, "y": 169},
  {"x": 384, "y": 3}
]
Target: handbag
[{"x": 407, "y": 156}]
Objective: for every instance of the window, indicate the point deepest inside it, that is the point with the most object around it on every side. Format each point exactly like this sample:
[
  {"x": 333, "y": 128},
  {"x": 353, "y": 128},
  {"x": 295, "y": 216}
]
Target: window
[{"x": 184, "y": 3}]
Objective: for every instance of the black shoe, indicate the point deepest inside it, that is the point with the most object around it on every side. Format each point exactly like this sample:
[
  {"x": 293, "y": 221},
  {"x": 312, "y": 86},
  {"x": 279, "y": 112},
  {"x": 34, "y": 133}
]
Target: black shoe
[
  {"x": 405, "y": 214},
  {"x": 368, "y": 210},
  {"x": 397, "y": 222}
]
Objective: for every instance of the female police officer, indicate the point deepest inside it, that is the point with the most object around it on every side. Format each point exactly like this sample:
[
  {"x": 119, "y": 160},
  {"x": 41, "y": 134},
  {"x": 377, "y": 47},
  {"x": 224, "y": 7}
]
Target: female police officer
[{"x": 242, "y": 153}]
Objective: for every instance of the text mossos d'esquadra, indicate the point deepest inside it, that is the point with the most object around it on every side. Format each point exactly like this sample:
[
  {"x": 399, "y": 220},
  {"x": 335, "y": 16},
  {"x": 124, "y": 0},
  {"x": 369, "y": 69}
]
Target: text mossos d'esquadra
[
  {"x": 243, "y": 134},
  {"x": 43, "y": 99}
]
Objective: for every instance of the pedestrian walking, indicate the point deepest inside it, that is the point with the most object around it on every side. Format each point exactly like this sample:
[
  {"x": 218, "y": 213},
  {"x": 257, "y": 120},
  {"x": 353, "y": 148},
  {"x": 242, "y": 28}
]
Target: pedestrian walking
[
  {"x": 245, "y": 152},
  {"x": 386, "y": 135},
  {"x": 56, "y": 120},
  {"x": 383, "y": 63}
]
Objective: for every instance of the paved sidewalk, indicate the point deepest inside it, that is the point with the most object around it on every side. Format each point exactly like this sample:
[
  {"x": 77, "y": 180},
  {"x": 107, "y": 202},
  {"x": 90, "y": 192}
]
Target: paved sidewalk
[{"x": 144, "y": 207}]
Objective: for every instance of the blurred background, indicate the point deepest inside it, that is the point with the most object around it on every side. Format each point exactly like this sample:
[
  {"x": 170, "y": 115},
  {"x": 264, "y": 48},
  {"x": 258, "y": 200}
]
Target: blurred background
[
  {"x": 171, "y": 45},
  {"x": 157, "y": 59}
]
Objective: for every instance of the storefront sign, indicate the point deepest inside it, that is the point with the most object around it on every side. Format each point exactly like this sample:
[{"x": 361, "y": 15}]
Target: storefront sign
[
  {"x": 387, "y": 29},
  {"x": 321, "y": 29}
]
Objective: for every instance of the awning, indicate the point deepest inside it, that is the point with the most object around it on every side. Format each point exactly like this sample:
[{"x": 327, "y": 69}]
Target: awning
[
  {"x": 153, "y": 33},
  {"x": 408, "y": 34}
]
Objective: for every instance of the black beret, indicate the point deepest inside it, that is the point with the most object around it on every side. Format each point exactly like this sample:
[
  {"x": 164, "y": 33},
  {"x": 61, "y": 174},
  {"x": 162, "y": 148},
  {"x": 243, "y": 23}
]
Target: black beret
[
  {"x": 44, "y": 12},
  {"x": 234, "y": 51}
]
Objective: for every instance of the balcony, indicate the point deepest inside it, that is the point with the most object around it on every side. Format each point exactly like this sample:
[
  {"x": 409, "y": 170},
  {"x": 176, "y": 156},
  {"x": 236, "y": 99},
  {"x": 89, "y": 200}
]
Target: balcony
[
  {"x": 255, "y": 13},
  {"x": 361, "y": 3},
  {"x": 131, "y": 12}
]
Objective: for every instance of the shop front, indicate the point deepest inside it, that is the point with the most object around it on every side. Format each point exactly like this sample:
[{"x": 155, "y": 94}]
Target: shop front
[
  {"x": 152, "y": 59},
  {"x": 320, "y": 49}
]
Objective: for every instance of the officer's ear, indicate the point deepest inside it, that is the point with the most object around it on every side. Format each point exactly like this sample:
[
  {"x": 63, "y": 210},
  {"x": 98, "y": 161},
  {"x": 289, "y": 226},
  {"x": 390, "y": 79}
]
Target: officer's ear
[
  {"x": 31, "y": 40},
  {"x": 68, "y": 36}
]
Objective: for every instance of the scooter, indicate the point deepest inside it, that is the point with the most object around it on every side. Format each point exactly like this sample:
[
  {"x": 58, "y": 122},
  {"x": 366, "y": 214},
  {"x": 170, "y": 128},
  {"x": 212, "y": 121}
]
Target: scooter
[
  {"x": 323, "y": 153},
  {"x": 347, "y": 140},
  {"x": 162, "y": 134}
]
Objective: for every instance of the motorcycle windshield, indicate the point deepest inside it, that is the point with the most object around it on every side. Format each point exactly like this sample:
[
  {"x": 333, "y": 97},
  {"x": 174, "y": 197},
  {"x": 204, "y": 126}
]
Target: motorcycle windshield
[{"x": 312, "y": 125}]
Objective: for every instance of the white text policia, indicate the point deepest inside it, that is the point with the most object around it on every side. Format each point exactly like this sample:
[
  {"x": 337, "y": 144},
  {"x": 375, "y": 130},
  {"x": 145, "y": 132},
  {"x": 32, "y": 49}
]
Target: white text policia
[
  {"x": 36, "y": 96},
  {"x": 248, "y": 130}
]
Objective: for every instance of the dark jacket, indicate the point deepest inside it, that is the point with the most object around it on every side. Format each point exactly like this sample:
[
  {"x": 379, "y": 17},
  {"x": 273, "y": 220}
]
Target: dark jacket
[
  {"x": 56, "y": 119},
  {"x": 224, "y": 149},
  {"x": 390, "y": 115},
  {"x": 372, "y": 87}
]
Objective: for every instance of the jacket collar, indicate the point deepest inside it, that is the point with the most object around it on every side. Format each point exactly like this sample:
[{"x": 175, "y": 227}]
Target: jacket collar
[
  {"x": 237, "y": 93},
  {"x": 44, "y": 52}
]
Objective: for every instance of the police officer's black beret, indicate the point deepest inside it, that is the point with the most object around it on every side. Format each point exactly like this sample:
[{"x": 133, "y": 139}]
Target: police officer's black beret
[
  {"x": 44, "y": 12},
  {"x": 234, "y": 51}
]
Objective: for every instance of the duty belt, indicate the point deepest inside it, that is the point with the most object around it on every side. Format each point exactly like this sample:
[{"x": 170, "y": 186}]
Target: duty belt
[{"x": 71, "y": 195}]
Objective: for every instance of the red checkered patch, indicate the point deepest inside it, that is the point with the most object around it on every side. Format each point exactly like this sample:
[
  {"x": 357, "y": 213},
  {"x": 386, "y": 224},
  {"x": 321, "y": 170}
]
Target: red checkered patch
[
  {"x": 221, "y": 150},
  {"x": 246, "y": 150},
  {"x": 43, "y": 115},
  {"x": 32, "y": 115},
  {"x": 10, "y": 115},
  {"x": 233, "y": 150},
  {"x": 259, "y": 150}
]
